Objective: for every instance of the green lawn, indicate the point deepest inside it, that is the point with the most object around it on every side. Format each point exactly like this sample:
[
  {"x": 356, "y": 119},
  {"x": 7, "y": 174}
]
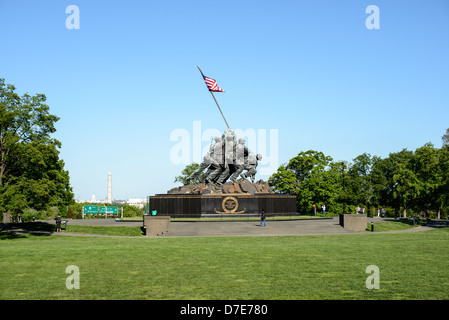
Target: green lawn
[
  {"x": 411, "y": 265},
  {"x": 394, "y": 225},
  {"x": 112, "y": 231}
]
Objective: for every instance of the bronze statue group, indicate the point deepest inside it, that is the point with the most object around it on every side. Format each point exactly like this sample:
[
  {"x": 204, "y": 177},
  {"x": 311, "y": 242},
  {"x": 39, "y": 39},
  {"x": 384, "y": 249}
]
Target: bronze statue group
[{"x": 227, "y": 158}]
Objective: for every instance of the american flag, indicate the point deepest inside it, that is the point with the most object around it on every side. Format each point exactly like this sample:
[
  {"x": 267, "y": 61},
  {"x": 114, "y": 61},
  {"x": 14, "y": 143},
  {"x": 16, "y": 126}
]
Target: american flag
[{"x": 212, "y": 84}]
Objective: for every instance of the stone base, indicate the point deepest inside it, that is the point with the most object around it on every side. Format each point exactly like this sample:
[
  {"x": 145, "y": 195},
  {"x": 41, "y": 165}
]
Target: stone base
[
  {"x": 239, "y": 197},
  {"x": 239, "y": 186},
  {"x": 195, "y": 206},
  {"x": 156, "y": 225},
  {"x": 356, "y": 222}
]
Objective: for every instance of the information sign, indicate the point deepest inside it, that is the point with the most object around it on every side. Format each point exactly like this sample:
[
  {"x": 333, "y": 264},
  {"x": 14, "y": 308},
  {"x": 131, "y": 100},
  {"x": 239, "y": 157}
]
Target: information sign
[{"x": 109, "y": 209}]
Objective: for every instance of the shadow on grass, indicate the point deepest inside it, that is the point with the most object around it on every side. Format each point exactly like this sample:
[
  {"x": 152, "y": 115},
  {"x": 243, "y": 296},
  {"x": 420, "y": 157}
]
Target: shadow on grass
[
  {"x": 17, "y": 230},
  {"x": 8, "y": 235},
  {"x": 406, "y": 223},
  {"x": 434, "y": 223}
]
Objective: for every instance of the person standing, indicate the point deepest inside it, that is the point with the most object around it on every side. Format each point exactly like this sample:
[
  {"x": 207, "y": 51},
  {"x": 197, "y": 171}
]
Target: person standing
[
  {"x": 314, "y": 209},
  {"x": 58, "y": 223},
  {"x": 262, "y": 218},
  {"x": 378, "y": 212},
  {"x": 324, "y": 209}
]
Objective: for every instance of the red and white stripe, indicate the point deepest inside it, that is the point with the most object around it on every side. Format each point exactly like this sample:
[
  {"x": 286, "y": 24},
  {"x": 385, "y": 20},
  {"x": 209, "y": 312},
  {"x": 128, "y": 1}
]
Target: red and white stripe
[{"x": 212, "y": 85}]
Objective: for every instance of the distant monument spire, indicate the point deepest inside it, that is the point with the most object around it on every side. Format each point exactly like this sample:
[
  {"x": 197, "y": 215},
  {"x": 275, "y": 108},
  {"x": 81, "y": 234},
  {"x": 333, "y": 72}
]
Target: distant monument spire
[{"x": 109, "y": 198}]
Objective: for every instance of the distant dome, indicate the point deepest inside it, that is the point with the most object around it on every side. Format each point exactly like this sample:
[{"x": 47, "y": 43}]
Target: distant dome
[{"x": 93, "y": 199}]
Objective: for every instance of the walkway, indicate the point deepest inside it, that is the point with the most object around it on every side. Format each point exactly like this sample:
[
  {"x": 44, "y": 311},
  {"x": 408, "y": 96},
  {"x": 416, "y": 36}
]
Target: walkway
[
  {"x": 238, "y": 228},
  {"x": 249, "y": 228}
]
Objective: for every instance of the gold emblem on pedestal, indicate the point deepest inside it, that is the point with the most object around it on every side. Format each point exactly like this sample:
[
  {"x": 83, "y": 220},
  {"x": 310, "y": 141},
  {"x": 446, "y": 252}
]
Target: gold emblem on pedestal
[{"x": 230, "y": 205}]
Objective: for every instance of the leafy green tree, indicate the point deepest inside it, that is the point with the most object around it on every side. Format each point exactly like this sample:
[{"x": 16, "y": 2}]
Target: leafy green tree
[
  {"x": 441, "y": 195},
  {"x": 378, "y": 181},
  {"x": 323, "y": 187},
  {"x": 31, "y": 173},
  {"x": 186, "y": 172},
  {"x": 396, "y": 189},
  {"x": 431, "y": 167},
  {"x": 360, "y": 173},
  {"x": 445, "y": 139},
  {"x": 345, "y": 196},
  {"x": 23, "y": 119},
  {"x": 367, "y": 181},
  {"x": 407, "y": 188},
  {"x": 284, "y": 180},
  {"x": 312, "y": 177}
]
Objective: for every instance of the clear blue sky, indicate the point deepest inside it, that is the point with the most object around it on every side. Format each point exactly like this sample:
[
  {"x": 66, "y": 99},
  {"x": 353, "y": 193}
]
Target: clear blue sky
[{"x": 127, "y": 78}]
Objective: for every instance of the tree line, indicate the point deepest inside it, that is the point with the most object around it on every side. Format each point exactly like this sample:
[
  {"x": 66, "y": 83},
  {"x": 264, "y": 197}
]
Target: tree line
[{"x": 406, "y": 183}]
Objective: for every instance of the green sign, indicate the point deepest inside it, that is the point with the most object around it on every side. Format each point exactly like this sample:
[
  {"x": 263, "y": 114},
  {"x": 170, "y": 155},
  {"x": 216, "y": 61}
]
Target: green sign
[
  {"x": 90, "y": 209},
  {"x": 109, "y": 209}
]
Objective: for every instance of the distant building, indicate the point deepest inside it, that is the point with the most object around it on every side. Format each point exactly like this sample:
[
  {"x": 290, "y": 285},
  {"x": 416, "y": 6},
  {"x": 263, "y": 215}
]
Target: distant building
[{"x": 140, "y": 203}]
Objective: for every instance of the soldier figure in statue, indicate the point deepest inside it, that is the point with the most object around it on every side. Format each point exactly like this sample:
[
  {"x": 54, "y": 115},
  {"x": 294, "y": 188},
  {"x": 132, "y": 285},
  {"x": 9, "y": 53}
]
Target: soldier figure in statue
[
  {"x": 229, "y": 158},
  {"x": 240, "y": 153},
  {"x": 216, "y": 163},
  {"x": 229, "y": 132},
  {"x": 251, "y": 166},
  {"x": 207, "y": 161}
]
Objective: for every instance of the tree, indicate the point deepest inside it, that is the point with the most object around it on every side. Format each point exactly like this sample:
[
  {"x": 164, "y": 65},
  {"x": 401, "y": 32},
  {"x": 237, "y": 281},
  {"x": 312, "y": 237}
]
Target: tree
[
  {"x": 284, "y": 180},
  {"x": 312, "y": 177},
  {"x": 407, "y": 187},
  {"x": 360, "y": 173},
  {"x": 22, "y": 120},
  {"x": 445, "y": 139},
  {"x": 186, "y": 172},
  {"x": 442, "y": 192},
  {"x": 431, "y": 166},
  {"x": 345, "y": 197},
  {"x": 378, "y": 181},
  {"x": 31, "y": 173}
]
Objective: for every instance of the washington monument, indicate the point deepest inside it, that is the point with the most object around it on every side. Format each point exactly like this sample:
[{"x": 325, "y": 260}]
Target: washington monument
[{"x": 109, "y": 197}]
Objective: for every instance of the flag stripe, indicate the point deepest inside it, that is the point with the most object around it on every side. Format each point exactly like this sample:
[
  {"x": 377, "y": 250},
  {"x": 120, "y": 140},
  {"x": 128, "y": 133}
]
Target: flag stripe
[{"x": 212, "y": 85}]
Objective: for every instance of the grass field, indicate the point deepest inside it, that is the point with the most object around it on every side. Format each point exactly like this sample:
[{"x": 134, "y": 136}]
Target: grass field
[{"x": 411, "y": 265}]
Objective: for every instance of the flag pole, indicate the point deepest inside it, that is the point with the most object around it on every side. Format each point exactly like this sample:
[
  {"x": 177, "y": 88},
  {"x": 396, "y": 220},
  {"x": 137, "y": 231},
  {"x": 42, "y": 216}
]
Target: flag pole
[{"x": 215, "y": 100}]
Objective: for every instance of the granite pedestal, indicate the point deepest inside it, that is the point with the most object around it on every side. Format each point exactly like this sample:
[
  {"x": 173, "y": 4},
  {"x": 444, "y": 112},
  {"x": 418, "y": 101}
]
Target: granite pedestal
[
  {"x": 156, "y": 225},
  {"x": 355, "y": 222},
  {"x": 195, "y": 206}
]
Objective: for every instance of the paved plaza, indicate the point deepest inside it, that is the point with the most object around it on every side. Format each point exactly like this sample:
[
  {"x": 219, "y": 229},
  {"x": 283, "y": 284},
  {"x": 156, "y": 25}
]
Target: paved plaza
[{"x": 245, "y": 228}]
